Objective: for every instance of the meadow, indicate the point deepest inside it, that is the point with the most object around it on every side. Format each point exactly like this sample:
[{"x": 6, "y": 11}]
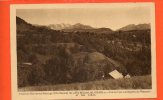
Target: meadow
[{"x": 136, "y": 82}]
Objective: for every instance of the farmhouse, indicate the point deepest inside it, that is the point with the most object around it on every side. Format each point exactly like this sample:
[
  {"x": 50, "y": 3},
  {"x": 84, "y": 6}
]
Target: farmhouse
[{"x": 115, "y": 74}]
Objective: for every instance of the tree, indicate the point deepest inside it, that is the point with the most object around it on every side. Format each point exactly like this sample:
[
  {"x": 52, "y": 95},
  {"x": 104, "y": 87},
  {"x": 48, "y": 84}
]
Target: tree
[
  {"x": 37, "y": 76},
  {"x": 56, "y": 69}
]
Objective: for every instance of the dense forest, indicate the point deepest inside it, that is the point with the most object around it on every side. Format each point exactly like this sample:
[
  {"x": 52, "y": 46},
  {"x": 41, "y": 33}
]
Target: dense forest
[{"x": 46, "y": 56}]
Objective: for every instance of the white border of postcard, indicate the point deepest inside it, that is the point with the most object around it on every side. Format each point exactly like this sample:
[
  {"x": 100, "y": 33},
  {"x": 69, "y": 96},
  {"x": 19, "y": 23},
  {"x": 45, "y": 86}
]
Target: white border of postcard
[{"x": 97, "y": 94}]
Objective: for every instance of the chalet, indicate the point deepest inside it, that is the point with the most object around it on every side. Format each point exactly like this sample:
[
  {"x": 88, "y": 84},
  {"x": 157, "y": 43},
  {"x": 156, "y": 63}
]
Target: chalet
[{"x": 115, "y": 74}]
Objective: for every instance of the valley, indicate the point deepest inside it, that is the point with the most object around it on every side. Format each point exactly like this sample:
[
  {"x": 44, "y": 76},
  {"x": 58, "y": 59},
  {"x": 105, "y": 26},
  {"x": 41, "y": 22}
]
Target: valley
[{"x": 70, "y": 54}]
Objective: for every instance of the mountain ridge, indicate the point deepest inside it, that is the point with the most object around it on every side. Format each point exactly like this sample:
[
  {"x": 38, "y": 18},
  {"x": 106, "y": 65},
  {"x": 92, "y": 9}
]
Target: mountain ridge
[
  {"x": 69, "y": 26},
  {"x": 22, "y": 25},
  {"x": 135, "y": 27}
]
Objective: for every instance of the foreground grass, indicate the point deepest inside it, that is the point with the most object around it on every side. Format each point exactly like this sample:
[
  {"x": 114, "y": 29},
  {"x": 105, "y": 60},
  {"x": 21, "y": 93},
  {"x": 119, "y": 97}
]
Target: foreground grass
[{"x": 137, "y": 82}]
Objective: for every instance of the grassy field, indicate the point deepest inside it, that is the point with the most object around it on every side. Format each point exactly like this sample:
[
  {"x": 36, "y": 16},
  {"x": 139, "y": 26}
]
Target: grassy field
[{"x": 137, "y": 82}]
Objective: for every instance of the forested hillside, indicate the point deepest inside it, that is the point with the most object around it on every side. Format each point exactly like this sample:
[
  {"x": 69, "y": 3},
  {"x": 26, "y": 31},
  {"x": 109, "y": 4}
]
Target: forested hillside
[{"x": 46, "y": 56}]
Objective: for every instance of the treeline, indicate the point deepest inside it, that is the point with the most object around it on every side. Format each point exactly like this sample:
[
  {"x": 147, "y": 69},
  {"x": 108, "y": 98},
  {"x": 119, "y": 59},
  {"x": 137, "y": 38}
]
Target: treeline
[{"x": 60, "y": 69}]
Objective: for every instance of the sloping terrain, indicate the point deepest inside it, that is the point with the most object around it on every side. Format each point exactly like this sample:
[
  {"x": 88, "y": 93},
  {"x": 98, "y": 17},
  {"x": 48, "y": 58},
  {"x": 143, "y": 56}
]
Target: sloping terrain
[
  {"x": 135, "y": 27},
  {"x": 139, "y": 82},
  {"x": 80, "y": 55}
]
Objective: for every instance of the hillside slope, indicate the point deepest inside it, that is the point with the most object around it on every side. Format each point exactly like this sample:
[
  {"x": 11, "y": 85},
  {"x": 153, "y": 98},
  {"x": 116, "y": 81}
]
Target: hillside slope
[
  {"x": 111, "y": 84},
  {"x": 135, "y": 27},
  {"x": 46, "y": 56}
]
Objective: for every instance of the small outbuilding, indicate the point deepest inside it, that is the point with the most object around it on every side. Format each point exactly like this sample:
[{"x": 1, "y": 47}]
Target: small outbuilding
[{"x": 127, "y": 76}]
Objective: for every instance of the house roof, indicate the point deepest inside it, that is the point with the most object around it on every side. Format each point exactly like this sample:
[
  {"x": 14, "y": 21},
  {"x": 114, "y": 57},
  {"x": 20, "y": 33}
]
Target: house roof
[{"x": 115, "y": 74}]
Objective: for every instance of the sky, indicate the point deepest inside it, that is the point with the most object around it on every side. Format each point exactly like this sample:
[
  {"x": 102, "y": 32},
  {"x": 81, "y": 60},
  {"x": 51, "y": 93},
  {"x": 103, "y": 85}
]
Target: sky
[{"x": 110, "y": 17}]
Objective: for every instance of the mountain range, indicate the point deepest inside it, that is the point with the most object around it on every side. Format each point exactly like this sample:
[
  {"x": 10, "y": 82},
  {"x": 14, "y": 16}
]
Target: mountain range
[
  {"x": 79, "y": 27},
  {"x": 22, "y": 25},
  {"x": 69, "y": 26}
]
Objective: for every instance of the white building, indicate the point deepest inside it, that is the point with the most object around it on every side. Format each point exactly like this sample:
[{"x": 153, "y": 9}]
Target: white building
[{"x": 115, "y": 74}]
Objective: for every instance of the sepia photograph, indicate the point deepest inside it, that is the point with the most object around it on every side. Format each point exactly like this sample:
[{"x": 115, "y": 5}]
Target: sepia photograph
[{"x": 83, "y": 47}]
